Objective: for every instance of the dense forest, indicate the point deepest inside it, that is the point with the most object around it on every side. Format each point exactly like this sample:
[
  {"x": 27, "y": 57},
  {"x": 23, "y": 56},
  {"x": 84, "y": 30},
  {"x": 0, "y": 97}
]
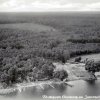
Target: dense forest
[{"x": 28, "y": 55}]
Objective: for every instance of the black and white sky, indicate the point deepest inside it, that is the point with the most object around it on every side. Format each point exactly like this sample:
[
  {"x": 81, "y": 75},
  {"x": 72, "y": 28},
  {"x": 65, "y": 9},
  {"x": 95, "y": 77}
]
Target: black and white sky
[{"x": 48, "y": 5}]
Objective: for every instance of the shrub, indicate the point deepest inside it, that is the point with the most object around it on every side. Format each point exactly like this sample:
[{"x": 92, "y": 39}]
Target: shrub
[
  {"x": 62, "y": 74},
  {"x": 78, "y": 59},
  {"x": 92, "y": 66}
]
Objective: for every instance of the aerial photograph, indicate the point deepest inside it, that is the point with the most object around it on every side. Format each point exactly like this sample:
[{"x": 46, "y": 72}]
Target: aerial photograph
[{"x": 49, "y": 49}]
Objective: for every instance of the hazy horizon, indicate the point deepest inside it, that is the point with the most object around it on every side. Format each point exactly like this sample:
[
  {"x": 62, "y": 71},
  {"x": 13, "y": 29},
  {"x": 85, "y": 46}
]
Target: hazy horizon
[{"x": 50, "y": 12}]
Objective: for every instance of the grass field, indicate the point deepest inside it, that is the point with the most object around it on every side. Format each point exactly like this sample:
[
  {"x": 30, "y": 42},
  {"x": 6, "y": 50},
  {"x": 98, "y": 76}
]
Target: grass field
[{"x": 75, "y": 71}]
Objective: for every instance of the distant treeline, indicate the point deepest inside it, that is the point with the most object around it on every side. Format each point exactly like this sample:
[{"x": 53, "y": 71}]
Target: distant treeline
[{"x": 84, "y": 40}]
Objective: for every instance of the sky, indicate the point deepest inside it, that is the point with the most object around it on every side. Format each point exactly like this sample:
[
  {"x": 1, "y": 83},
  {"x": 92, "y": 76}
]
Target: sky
[{"x": 48, "y": 5}]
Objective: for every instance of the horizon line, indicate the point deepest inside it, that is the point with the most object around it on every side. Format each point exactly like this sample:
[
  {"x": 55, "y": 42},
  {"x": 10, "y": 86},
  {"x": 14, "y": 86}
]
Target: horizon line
[{"x": 41, "y": 11}]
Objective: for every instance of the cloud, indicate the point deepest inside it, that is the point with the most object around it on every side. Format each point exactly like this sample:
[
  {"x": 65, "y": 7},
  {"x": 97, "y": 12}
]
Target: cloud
[
  {"x": 48, "y": 5},
  {"x": 93, "y": 7}
]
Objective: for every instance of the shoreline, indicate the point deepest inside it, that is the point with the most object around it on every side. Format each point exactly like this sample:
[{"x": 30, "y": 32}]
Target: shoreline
[
  {"x": 21, "y": 86},
  {"x": 73, "y": 70}
]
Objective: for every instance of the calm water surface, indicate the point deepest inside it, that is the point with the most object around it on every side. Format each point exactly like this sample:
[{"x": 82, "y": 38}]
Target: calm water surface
[{"x": 80, "y": 88}]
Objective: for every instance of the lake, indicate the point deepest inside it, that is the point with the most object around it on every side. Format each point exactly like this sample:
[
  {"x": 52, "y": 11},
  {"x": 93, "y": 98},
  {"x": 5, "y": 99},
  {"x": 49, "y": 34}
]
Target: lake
[{"x": 80, "y": 88}]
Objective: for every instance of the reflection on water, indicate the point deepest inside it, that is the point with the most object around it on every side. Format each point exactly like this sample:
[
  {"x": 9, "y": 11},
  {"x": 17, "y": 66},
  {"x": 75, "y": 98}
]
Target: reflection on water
[{"x": 80, "y": 88}]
